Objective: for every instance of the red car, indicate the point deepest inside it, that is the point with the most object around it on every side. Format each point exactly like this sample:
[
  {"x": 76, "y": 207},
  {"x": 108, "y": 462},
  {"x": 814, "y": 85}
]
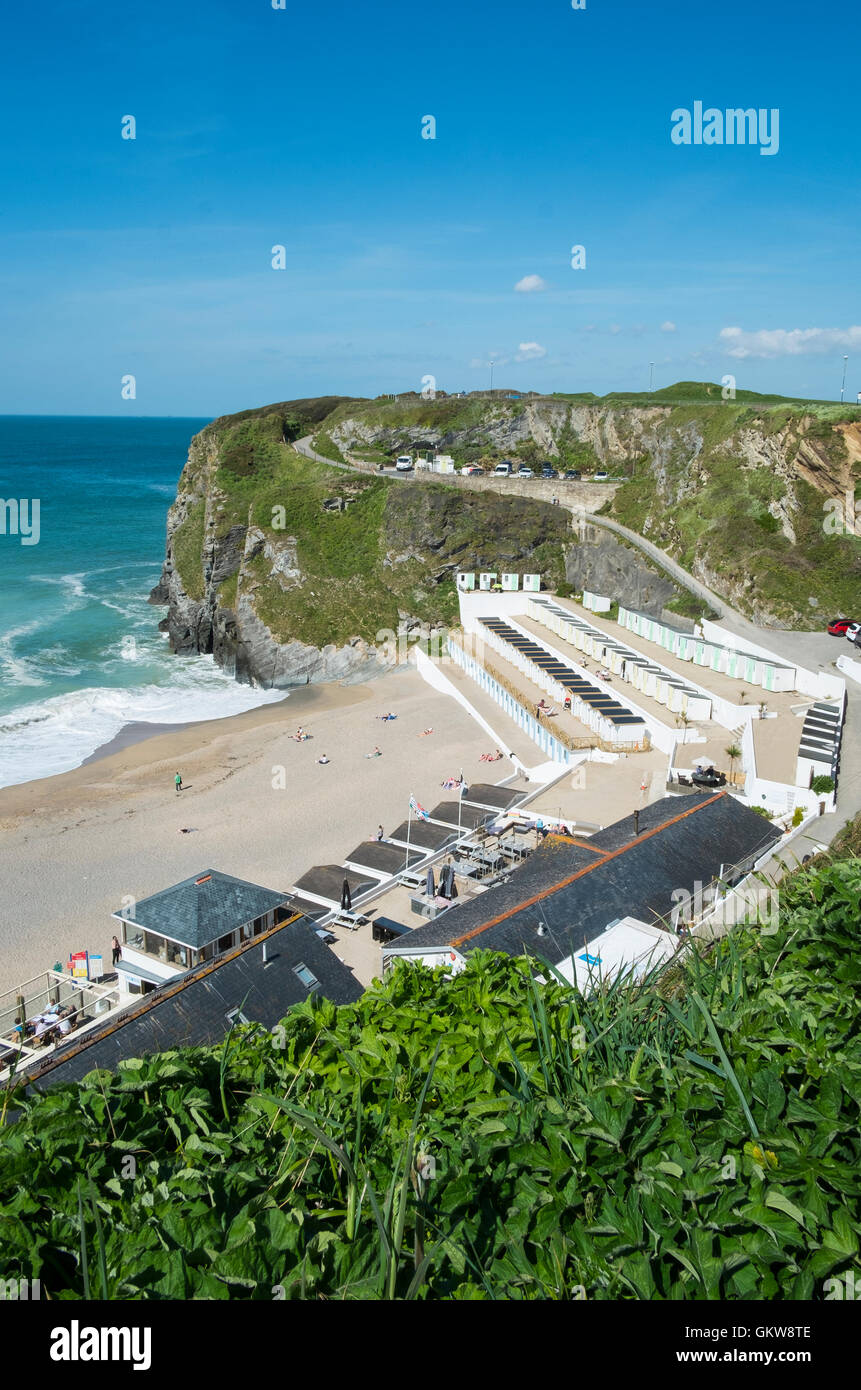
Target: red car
[{"x": 837, "y": 627}]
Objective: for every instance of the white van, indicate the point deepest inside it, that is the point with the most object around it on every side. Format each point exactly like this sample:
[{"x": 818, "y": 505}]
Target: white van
[
  {"x": 502, "y": 470},
  {"x": 403, "y": 463}
]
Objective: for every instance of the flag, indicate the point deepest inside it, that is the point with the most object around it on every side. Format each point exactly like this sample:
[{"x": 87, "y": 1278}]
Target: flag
[{"x": 418, "y": 810}]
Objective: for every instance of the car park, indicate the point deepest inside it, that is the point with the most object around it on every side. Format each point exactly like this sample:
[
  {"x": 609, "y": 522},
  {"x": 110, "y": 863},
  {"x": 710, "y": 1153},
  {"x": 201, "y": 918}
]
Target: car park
[{"x": 838, "y": 626}]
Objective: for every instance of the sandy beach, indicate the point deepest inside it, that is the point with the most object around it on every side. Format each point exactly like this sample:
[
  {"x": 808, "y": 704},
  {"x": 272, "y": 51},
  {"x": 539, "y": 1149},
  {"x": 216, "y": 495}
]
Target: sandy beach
[{"x": 73, "y": 846}]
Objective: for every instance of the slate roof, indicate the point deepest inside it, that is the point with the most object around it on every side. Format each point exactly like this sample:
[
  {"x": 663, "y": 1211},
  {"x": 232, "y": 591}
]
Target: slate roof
[
  {"x": 201, "y": 909},
  {"x": 575, "y": 889},
  {"x": 485, "y": 794},
  {"x": 192, "y": 1011},
  {"x": 470, "y": 816},
  {"x": 327, "y": 881},
  {"x": 426, "y": 836},
  {"x": 389, "y": 859}
]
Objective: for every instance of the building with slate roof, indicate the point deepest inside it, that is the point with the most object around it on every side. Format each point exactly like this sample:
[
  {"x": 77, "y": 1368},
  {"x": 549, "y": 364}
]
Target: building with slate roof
[
  {"x": 258, "y": 981},
  {"x": 567, "y": 894},
  {"x": 190, "y": 923}
]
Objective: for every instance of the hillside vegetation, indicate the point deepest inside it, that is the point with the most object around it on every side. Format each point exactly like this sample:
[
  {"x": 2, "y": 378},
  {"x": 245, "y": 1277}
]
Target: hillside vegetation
[
  {"x": 320, "y": 575},
  {"x": 735, "y": 490},
  {"x": 480, "y": 1138}
]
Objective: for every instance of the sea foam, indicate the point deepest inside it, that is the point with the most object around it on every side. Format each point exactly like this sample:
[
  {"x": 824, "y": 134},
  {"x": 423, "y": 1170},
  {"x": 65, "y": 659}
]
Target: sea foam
[{"x": 58, "y": 734}]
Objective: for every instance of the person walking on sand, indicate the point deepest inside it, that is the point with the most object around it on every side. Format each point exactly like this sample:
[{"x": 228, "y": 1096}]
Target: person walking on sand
[
  {"x": 116, "y": 950},
  {"x": 177, "y": 781}
]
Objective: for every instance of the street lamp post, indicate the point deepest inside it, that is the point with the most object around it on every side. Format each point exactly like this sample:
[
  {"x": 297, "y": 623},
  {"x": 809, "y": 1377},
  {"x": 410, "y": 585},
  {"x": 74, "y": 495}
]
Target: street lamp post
[
  {"x": 491, "y": 376},
  {"x": 651, "y": 376},
  {"x": 843, "y": 387}
]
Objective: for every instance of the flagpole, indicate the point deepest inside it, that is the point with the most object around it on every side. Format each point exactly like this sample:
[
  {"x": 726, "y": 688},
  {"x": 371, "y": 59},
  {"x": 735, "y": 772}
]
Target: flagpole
[
  {"x": 459, "y": 803},
  {"x": 409, "y": 823}
]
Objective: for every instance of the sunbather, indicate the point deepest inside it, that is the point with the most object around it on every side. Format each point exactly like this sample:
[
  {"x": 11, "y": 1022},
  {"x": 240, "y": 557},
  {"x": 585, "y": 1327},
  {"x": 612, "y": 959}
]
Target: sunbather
[{"x": 376, "y": 754}]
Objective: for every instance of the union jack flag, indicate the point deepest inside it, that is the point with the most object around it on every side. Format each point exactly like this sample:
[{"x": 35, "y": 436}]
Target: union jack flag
[{"x": 418, "y": 810}]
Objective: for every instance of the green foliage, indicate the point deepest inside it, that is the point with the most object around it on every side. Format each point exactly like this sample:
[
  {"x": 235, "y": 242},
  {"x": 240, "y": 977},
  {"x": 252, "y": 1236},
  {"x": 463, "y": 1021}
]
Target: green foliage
[
  {"x": 797, "y": 816},
  {"x": 324, "y": 444},
  {"x": 822, "y": 784},
  {"x": 701, "y": 1146},
  {"x": 701, "y": 505},
  {"x": 393, "y": 550},
  {"x": 188, "y": 550}
]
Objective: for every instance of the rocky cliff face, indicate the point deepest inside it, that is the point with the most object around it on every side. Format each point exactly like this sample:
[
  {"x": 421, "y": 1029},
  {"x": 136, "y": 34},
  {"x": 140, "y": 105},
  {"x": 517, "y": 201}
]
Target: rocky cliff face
[
  {"x": 260, "y": 582},
  {"x": 290, "y": 571}
]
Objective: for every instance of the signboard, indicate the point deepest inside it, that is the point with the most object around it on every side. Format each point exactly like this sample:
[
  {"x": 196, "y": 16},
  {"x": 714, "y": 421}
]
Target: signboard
[
  {"x": 510, "y": 582},
  {"x": 465, "y": 581},
  {"x": 486, "y": 581},
  {"x": 78, "y": 965},
  {"x": 94, "y": 967},
  {"x": 532, "y": 583}
]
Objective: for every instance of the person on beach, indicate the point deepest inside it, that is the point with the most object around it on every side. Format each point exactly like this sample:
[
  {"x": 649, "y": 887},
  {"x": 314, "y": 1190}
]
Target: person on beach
[
  {"x": 177, "y": 781},
  {"x": 323, "y": 760},
  {"x": 376, "y": 754},
  {"x": 116, "y": 950},
  {"x": 379, "y": 834}
]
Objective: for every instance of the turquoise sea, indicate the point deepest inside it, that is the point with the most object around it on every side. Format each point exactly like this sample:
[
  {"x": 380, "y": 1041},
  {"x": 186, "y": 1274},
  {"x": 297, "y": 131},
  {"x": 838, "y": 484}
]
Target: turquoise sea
[{"x": 80, "y": 650}]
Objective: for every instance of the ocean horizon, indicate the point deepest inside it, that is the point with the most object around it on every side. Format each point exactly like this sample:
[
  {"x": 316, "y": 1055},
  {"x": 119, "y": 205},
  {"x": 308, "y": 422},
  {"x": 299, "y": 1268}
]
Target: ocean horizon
[{"x": 81, "y": 655}]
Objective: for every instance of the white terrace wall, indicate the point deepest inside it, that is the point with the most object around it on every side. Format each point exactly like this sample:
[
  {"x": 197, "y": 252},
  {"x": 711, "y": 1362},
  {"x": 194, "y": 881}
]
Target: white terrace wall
[
  {"x": 475, "y": 604},
  {"x": 662, "y": 735},
  {"x": 716, "y": 650},
  {"x": 822, "y": 685}
]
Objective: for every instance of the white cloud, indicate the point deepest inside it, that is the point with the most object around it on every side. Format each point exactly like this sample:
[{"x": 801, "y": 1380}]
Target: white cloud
[
  {"x": 668, "y": 327},
  {"x": 529, "y": 352},
  {"x": 783, "y": 342},
  {"x": 530, "y": 284}
]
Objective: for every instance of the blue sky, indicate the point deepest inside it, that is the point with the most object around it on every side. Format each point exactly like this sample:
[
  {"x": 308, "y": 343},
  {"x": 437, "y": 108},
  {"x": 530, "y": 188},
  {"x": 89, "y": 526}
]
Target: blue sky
[{"x": 302, "y": 127}]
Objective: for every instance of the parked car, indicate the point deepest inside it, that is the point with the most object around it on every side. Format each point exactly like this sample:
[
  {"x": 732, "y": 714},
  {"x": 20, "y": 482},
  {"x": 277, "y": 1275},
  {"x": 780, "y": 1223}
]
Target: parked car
[
  {"x": 403, "y": 463},
  {"x": 852, "y": 631},
  {"x": 502, "y": 470},
  {"x": 572, "y": 473},
  {"x": 525, "y": 473},
  {"x": 548, "y": 471},
  {"x": 838, "y": 626},
  {"x": 601, "y": 477},
  {"x": 469, "y": 468}
]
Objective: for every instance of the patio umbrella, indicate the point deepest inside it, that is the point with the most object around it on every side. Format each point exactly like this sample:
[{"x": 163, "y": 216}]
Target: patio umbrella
[
  {"x": 346, "y": 897},
  {"x": 431, "y": 886}
]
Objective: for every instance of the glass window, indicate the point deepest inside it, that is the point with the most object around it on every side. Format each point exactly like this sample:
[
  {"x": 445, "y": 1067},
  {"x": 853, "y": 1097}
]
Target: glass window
[
  {"x": 178, "y": 955},
  {"x": 308, "y": 978},
  {"x": 225, "y": 942}
]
